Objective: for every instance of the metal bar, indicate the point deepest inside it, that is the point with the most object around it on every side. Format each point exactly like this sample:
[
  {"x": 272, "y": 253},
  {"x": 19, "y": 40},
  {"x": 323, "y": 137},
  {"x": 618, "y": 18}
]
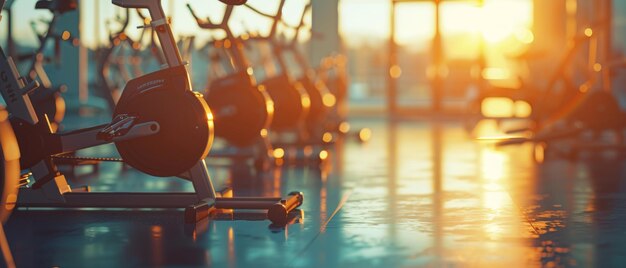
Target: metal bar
[
  {"x": 17, "y": 104},
  {"x": 201, "y": 180},
  {"x": 35, "y": 198},
  {"x": 85, "y": 139},
  {"x": 165, "y": 35},
  {"x": 279, "y": 212},
  {"x": 161, "y": 25},
  {"x": 248, "y": 199},
  {"x": 245, "y": 203}
]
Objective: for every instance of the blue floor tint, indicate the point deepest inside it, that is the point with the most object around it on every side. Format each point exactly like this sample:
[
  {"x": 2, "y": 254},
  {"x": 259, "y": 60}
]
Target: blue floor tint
[{"x": 418, "y": 194}]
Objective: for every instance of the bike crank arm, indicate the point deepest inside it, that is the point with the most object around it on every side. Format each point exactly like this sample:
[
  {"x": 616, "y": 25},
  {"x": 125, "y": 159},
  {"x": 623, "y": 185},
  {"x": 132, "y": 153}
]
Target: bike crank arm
[{"x": 93, "y": 137}]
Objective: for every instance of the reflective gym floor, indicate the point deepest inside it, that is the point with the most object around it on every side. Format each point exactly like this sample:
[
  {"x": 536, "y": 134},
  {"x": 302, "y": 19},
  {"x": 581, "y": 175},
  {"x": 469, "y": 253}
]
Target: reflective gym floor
[{"x": 417, "y": 194}]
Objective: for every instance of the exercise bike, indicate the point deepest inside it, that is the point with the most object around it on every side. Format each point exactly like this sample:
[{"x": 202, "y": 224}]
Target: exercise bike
[
  {"x": 242, "y": 110},
  {"x": 150, "y": 137}
]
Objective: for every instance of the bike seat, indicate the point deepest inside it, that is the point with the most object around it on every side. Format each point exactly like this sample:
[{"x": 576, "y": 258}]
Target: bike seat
[
  {"x": 60, "y": 6},
  {"x": 234, "y": 2}
]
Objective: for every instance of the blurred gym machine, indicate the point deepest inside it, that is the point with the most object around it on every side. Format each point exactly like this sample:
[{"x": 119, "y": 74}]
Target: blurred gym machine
[
  {"x": 242, "y": 110},
  {"x": 560, "y": 88},
  {"x": 558, "y": 58},
  {"x": 111, "y": 73},
  {"x": 186, "y": 45},
  {"x": 49, "y": 100},
  {"x": 331, "y": 80},
  {"x": 299, "y": 103},
  {"x": 322, "y": 101},
  {"x": 153, "y": 140},
  {"x": 123, "y": 53},
  {"x": 588, "y": 118}
]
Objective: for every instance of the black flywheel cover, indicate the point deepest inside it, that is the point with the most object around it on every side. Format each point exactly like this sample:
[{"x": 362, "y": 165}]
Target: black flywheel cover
[
  {"x": 184, "y": 138},
  {"x": 291, "y": 102},
  {"x": 240, "y": 109}
]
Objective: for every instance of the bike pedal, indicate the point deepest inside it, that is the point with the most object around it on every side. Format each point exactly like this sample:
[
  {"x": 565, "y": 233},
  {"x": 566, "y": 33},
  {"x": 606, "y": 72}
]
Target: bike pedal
[{"x": 81, "y": 189}]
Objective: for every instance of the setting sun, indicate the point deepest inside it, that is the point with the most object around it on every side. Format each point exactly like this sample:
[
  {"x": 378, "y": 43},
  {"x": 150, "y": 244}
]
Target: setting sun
[{"x": 499, "y": 20}]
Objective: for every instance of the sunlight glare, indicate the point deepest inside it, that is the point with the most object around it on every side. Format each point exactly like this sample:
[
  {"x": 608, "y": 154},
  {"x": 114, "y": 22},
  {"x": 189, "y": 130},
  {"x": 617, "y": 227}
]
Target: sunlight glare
[
  {"x": 493, "y": 165},
  {"x": 502, "y": 19},
  {"x": 497, "y": 107}
]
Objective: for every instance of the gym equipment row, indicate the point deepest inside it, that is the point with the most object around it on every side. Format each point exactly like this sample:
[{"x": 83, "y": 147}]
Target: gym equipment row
[
  {"x": 280, "y": 114},
  {"x": 149, "y": 138},
  {"x": 159, "y": 125},
  {"x": 48, "y": 100},
  {"x": 285, "y": 112}
]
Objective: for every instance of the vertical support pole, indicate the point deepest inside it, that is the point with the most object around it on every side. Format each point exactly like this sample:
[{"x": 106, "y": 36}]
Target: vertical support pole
[
  {"x": 606, "y": 55},
  {"x": 325, "y": 21},
  {"x": 83, "y": 79},
  {"x": 201, "y": 180},
  {"x": 438, "y": 62},
  {"x": 392, "y": 85}
]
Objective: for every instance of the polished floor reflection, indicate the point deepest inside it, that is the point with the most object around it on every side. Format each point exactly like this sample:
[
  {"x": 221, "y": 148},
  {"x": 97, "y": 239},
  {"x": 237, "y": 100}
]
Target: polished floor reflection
[{"x": 418, "y": 194}]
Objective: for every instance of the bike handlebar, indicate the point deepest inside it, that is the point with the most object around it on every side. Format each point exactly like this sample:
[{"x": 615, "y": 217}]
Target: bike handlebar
[
  {"x": 208, "y": 24},
  {"x": 204, "y": 24},
  {"x": 124, "y": 22},
  {"x": 262, "y": 13}
]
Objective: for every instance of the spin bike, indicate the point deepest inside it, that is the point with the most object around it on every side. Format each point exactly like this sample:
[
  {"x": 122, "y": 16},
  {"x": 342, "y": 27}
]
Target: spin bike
[
  {"x": 242, "y": 110},
  {"x": 150, "y": 137}
]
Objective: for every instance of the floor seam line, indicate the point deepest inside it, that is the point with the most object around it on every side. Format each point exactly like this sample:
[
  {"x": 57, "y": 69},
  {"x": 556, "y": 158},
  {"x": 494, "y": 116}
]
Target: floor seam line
[
  {"x": 525, "y": 215},
  {"x": 340, "y": 205}
]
